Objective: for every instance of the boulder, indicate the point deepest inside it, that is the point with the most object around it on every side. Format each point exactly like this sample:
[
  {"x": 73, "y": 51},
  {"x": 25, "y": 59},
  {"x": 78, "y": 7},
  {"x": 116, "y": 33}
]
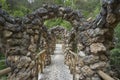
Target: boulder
[
  {"x": 96, "y": 48},
  {"x": 32, "y": 47},
  {"x": 98, "y": 65},
  {"x": 91, "y": 59},
  {"x": 111, "y": 18},
  {"x": 87, "y": 71},
  {"x": 7, "y": 33},
  {"x": 81, "y": 54}
]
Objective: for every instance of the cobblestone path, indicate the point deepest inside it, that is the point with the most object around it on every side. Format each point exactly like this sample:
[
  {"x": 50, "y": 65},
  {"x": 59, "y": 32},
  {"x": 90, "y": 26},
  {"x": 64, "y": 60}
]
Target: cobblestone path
[{"x": 57, "y": 70}]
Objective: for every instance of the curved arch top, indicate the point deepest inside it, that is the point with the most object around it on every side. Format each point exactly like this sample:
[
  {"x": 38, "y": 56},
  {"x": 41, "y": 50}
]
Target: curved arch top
[{"x": 52, "y": 11}]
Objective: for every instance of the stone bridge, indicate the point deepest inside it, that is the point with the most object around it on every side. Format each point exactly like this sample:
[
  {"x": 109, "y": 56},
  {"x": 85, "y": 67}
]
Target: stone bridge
[{"x": 22, "y": 38}]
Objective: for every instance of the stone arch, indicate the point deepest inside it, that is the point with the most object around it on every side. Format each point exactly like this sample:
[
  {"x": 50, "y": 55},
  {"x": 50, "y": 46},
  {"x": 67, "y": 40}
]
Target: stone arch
[
  {"x": 66, "y": 13},
  {"x": 21, "y": 38},
  {"x": 95, "y": 40},
  {"x": 57, "y": 31}
]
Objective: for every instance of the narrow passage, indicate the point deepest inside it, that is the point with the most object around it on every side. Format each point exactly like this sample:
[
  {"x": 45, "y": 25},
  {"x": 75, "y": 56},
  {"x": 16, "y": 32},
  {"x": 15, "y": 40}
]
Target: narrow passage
[{"x": 57, "y": 70}]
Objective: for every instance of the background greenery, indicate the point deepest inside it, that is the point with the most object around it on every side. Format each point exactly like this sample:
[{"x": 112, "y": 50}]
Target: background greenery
[
  {"x": 89, "y": 8},
  {"x": 2, "y": 66},
  {"x": 58, "y": 21}
]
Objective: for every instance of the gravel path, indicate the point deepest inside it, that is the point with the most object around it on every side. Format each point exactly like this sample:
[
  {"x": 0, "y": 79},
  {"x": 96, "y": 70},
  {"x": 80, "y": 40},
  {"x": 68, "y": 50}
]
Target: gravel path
[{"x": 57, "y": 70}]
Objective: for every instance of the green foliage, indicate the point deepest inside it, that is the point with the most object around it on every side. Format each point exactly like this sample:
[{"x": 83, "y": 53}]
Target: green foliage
[
  {"x": 58, "y": 1},
  {"x": 117, "y": 35},
  {"x": 21, "y": 12},
  {"x": 15, "y": 8},
  {"x": 115, "y": 57},
  {"x": 58, "y": 21},
  {"x": 68, "y": 3},
  {"x": 4, "y": 4},
  {"x": 115, "y": 53},
  {"x": 23, "y": 7},
  {"x": 2, "y": 61},
  {"x": 1, "y": 56},
  {"x": 18, "y": 13},
  {"x": 89, "y": 8},
  {"x": 3, "y": 77},
  {"x": 2, "y": 66}
]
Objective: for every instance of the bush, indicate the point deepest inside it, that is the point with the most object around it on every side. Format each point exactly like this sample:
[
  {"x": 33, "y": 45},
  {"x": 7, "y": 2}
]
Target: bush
[
  {"x": 2, "y": 61},
  {"x": 3, "y": 77},
  {"x": 58, "y": 21},
  {"x": 115, "y": 57}
]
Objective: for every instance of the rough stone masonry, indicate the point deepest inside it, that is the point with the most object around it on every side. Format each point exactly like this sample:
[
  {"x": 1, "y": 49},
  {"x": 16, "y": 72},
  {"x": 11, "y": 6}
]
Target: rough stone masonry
[
  {"x": 94, "y": 42},
  {"x": 22, "y": 38}
]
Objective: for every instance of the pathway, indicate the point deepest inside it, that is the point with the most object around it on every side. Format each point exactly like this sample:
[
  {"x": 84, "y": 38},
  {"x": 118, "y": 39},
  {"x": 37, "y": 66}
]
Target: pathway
[{"x": 57, "y": 70}]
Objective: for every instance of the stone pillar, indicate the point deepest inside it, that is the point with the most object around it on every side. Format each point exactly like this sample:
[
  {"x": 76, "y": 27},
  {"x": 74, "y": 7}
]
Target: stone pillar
[{"x": 96, "y": 41}]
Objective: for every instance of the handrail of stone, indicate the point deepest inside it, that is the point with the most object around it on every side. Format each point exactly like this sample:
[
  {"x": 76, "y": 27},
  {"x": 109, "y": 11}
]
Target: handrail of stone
[
  {"x": 40, "y": 59},
  {"x": 5, "y": 71}
]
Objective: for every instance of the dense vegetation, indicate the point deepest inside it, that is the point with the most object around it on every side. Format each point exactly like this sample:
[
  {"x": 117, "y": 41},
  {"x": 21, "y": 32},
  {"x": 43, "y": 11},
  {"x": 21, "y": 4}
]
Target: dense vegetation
[
  {"x": 89, "y": 8},
  {"x": 2, "y": 65},
  {"x": 58, "y": 21},
  {"x": 115, "y": 53}
]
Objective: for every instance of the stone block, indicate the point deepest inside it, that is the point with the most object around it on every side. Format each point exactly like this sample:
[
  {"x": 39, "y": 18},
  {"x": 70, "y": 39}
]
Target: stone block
[
  {"x": 96, "y": 48},
  {"x": 87, "y": 71},
  {"x": 90, "y": 59},
  {"x": 7, "y": 33},
  {"x": 98, "y": 65}
]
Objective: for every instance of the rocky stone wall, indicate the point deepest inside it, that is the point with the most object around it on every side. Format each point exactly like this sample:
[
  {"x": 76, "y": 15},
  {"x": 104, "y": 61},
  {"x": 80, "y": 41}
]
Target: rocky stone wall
[
  {"x": 20, "y": 39},
  {"x": 56, "y": 33},
  {"x": 95, "y": 40}
]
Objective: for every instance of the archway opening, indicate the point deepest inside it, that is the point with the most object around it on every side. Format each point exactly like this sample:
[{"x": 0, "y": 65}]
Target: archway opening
[
  {"x": 58, "y": 21},
  {"x": 59, "y": 28}
]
